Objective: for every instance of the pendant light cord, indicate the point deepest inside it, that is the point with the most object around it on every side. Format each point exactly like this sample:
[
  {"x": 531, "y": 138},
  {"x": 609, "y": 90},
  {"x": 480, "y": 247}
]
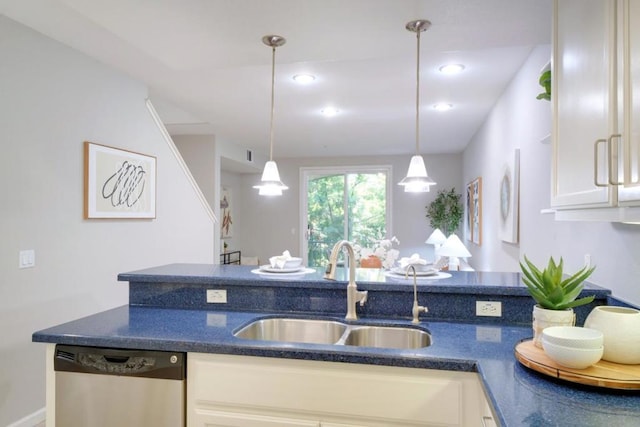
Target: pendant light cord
[
  {"x": 273, "y": 84},
  {"x": 418, "y": 93}
]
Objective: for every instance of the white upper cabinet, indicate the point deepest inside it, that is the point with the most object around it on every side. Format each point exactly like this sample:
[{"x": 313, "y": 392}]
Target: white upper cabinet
[
  {"x": 595, "y": 134},
  {"x": 629, "y": 51}
]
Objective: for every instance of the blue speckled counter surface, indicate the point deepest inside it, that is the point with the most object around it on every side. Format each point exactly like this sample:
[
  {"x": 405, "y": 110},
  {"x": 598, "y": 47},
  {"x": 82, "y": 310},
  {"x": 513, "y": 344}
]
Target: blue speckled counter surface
[
  {"x": 370, "y": 278},
  {"x": 520, "y": 397}
]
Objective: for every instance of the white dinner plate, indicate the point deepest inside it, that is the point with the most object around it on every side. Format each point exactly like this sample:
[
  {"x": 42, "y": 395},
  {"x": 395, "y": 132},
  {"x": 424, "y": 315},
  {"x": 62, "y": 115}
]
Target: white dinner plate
[
  {"x": 401, "y": 278},
  {"x": 402, "y": 271},
  {"x": 269, "y": 269}
]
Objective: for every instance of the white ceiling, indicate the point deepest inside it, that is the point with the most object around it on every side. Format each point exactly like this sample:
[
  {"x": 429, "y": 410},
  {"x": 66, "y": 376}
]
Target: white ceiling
[{"x": 209, "y": 73}]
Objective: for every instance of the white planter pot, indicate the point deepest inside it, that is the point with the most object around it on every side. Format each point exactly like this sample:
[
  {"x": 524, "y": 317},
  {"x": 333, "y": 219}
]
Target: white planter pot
[
  {"x": 620, "y": 327},
  {"x": 543, "y": 318}
]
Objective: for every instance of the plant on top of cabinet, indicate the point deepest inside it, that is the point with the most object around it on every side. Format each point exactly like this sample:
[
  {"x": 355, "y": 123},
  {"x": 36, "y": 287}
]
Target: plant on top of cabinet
[
  {"x": 555, "y": 296},
  {"x": 545, "y": 82},
  {"x": 445, "y": 212}
]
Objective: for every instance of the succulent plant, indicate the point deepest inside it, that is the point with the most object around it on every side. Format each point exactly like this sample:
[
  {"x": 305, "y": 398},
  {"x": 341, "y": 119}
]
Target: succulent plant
[{"x": 549, "y": 289}]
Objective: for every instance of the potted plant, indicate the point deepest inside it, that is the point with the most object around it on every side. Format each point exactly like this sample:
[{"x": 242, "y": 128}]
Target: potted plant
[
  {"x": 445, "y": 211},
  {"x": 554, "y": 294},
  {"x": 545, "y": 82}
]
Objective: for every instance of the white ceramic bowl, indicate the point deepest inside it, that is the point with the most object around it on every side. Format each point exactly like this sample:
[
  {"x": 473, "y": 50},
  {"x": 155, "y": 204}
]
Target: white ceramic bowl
[
  {"x": 621, "y": 329},
  {"x": 573, "y": 336},
  {"x": 571, "y": 357},
  {"x": 293, "y": 262}
]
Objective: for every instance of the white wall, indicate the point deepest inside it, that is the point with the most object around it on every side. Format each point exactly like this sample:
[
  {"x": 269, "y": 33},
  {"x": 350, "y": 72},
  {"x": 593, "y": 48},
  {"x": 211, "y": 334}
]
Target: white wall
[
  {"x": 518, "y": 120},
  {"x": 198, "y": 152},
  {"x": 207, "y": 157},
  {"x": 271, "y": 224},
  {"x": 53, "y": 99}
]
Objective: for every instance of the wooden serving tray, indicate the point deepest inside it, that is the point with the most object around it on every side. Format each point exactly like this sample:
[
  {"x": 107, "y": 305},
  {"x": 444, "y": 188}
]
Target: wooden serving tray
[{"x": 602, "y": 374}]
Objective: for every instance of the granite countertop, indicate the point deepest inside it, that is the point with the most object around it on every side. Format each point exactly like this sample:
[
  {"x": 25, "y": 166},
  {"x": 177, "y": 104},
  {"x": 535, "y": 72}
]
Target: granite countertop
[{"x": 519, "y": 396}]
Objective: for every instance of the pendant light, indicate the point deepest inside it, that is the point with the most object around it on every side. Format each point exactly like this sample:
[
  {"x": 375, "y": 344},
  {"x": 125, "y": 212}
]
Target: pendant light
[
  {"x": 270, "y": 184},
  {"x": 417, "y": 180}
]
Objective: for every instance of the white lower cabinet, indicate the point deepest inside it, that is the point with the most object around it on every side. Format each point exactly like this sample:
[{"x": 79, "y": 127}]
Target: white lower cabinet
[{"x": 242, "y": 391}]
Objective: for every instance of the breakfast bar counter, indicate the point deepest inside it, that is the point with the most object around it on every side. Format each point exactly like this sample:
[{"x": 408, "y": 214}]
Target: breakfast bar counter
[{"x": 168, "y": 311}]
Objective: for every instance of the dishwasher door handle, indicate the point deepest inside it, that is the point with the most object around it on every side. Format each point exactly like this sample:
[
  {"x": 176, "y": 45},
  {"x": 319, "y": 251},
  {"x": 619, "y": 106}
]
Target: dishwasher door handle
[{"x": 116, "y": 359}]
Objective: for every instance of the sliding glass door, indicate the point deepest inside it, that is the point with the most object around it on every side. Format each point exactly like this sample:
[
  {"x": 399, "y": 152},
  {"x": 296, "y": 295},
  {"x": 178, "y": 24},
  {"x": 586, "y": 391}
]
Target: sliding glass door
[{"x": 343, "y": 204}]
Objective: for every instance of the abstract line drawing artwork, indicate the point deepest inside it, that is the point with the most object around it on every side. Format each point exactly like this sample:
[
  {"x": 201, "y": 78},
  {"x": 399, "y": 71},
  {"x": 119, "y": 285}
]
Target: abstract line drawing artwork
[{"x": 118, "y": 183}]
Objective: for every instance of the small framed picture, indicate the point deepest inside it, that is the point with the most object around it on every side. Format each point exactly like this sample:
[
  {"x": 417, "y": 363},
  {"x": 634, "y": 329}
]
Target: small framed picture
[
  {"x": 474, "y": 211},
  {"x": 118, "y": 183}
]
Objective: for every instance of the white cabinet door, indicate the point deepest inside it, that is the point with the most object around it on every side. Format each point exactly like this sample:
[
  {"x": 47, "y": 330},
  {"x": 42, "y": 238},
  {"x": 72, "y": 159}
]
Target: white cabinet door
[
  {"x": 329, "y": 424},
  {"x": 596, "y": 133},
  {"x": 629, "y": 75},
  {"x": 583, "y": 93},
  {"x": 206, "y": 418},
  {"x": 230, "y": 391}
]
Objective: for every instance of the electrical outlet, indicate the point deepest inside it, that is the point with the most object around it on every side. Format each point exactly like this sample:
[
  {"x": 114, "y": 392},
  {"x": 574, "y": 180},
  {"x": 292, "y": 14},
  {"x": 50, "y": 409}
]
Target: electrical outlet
[
  {"x": 489, "y": 308},
  {"x": 216, "y": 296}
]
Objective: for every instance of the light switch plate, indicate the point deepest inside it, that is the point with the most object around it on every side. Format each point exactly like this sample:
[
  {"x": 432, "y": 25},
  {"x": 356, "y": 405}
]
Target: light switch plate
[{"x": 27, "y": 258}]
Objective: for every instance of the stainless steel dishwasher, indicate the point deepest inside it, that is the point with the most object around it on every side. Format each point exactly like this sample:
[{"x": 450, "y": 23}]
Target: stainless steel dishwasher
[{"x": 103, "y": 387}]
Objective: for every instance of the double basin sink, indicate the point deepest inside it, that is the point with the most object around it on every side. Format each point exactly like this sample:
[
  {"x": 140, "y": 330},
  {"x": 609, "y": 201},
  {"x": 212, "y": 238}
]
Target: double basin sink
[{"x": 326, "y": 331}]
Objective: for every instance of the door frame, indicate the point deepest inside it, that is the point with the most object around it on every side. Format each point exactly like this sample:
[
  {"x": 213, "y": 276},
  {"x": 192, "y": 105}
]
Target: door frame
[{"x": 306, "y": 172}]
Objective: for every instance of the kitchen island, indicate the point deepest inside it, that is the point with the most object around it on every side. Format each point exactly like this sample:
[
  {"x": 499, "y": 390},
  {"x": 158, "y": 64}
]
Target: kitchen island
[{"x": 168, "y": 311}]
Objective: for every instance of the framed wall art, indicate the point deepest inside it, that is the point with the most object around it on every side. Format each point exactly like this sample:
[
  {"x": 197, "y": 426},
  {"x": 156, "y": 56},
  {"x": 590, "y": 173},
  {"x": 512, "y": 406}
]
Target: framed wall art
[
  {"x": 118, "y": 183},
  {"x": 474, "y": 211},
  {"x": 509, "y": 199},
  {"x": 226, "y": 228}
]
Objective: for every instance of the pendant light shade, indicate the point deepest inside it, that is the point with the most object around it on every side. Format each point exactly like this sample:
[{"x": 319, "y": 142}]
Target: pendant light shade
[
  {"x": 270, "y": 184},
  {"x": 417, "y": 179}
]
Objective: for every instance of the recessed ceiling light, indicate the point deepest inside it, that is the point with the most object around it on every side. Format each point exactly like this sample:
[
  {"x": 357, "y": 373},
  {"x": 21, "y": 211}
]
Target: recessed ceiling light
[
  {"x": 329, "y": 111},
  {"x": 443, "y": 106},
  {"x": 304, "y": 78},
  {"x": 451, "y": 68}
]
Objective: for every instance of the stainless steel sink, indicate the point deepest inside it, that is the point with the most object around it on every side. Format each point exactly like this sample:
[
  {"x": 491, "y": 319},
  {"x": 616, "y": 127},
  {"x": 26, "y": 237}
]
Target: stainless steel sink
[
  {"x": 294, "y": 330},
  {"x": 387, "y": 337},
  {"x": 317, "y": 331}
]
